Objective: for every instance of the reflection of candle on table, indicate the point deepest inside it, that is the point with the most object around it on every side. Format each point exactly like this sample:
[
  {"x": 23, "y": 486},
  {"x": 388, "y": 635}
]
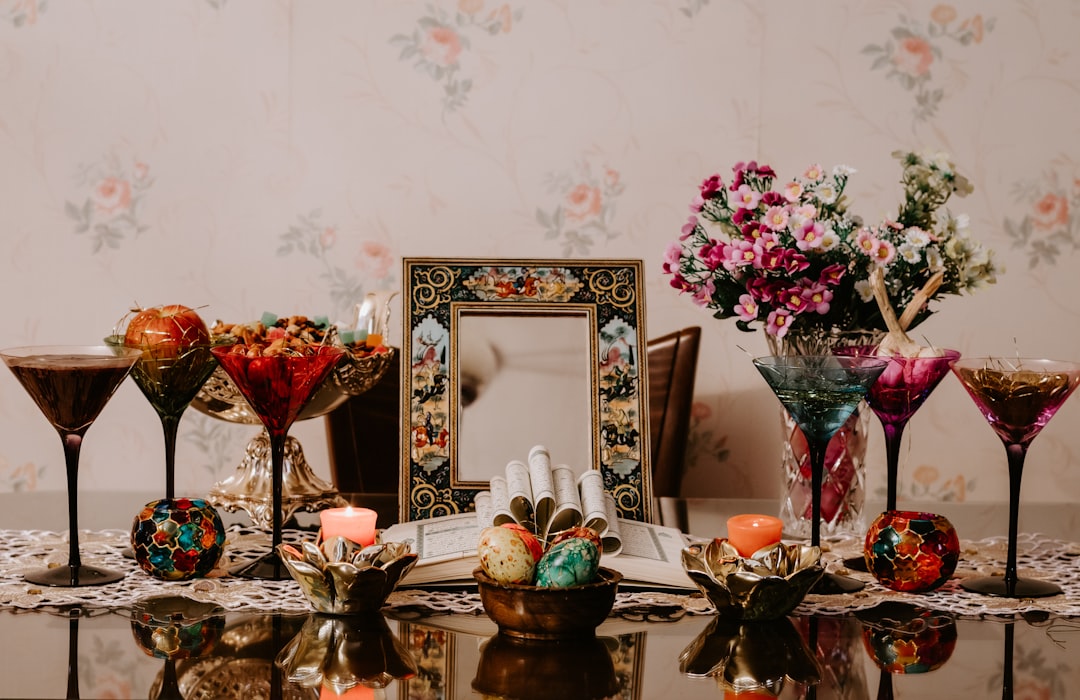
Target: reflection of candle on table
[
  {"x": 748, "y": 695},
  {"x": 356, "y": 524},
  {"x": 750, "y": 532}
]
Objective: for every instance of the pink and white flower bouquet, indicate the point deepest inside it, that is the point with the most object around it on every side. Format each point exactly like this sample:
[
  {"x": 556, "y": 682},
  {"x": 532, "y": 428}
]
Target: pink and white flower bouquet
[{"x": 795, "y": 261}]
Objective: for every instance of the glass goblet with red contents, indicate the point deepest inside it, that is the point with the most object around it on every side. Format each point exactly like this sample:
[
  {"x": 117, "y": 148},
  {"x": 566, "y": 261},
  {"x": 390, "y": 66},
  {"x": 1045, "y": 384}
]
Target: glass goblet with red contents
[{"x": 276, "y": 386}]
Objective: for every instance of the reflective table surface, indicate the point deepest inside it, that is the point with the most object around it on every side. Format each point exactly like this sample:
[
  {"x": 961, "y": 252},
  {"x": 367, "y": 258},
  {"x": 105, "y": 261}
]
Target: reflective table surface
[{"x": 893, "y": 652}]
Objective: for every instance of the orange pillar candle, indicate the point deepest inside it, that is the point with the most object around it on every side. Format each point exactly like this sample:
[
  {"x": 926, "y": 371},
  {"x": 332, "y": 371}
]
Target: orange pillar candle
[
  {"x": 356, "y": 524},
  {"x": 750, "y": 532},
  {"x": 748, "y": 695},
  {"x": 357, "y": 692}
]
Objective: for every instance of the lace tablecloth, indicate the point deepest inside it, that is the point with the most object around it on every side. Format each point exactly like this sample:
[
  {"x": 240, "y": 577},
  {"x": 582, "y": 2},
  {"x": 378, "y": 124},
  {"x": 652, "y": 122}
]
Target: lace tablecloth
[{"x": 22, "y": 551}]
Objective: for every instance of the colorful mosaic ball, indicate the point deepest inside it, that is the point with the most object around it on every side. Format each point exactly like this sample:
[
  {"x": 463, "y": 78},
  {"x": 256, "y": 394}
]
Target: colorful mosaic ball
[
  {"x": 904, "y": 639},
  {"x": 911, "y": 551},
  {"x": 178, "y": 539}
]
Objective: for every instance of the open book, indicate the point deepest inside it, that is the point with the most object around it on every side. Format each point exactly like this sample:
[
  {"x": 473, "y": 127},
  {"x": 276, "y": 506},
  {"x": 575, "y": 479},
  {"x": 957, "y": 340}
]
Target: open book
[
  {"x": 646, "y": 555},
  {"x": 546, "y": 501}
]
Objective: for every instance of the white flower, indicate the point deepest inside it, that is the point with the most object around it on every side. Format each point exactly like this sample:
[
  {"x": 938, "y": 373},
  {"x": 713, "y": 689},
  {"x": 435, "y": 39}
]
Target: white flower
[
  {"x": 864, "y": 290},
  {"x": 916, "y": 237},
  {"x": 909, "y": 253},
  {"x": 829, "y": 239},
  {"x": 934, "y": 259},
  {"x": 843, "y": 170},
  {"x": 826, "y": 193}
]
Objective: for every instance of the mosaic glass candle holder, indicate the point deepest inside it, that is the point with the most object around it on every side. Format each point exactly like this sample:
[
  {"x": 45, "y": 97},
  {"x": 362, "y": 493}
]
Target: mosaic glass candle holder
[
  {"x": 904, "y": 639},
  {"x": 176, "y": 539},
  {"x": 911, "y": 551}
]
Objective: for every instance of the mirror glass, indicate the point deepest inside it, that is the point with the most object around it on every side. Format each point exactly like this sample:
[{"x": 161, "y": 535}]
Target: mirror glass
[{"x": 522, "y": 380}]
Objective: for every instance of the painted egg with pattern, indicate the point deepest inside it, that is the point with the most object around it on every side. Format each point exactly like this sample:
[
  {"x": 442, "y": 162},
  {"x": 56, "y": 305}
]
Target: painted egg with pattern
[
  {"x": 572, "y": 562},
  {"x": 530, "y": 540},
  {"x": 579, "y": 531},
  {"x": 504, "y": 556}
]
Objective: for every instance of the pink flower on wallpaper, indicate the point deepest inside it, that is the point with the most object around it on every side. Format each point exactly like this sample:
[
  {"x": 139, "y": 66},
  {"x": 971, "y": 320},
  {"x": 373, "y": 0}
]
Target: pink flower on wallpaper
[
  {"x": 441, "y": 41},
  {"x": 583, "y": 202},
  {"x": 442, "y": 46},
  {"x": 915, "y": 48},
  {"x": 913, "y": 56},
  {"x": 310, "y": 237},
  {"x": 375, "y": 258},
  {"x": 109, "y": 209},
  {"x": 22, "y": 13},
  {"x": 1048, "y": 226},
  {"x": 585, "y": 209},
  {"x": 112, "y": 196},
  {"x": 1051, "y": 212},
  {"x": 22, "y": 478}
]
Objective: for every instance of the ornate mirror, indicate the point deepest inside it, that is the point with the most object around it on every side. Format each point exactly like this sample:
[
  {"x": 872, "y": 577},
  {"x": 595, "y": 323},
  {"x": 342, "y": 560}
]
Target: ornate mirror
[{"x": 501, "y": 355}]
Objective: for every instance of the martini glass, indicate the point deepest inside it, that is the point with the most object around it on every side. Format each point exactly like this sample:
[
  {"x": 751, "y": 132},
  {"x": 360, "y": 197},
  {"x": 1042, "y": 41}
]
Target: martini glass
[
  {"x": 71, "y": 384},
  {"x": 277, "y": 387},
  {"x": 820, "y": 392},
  {"x": 1017, "y": 398},
  {"x": 898, "y": 393},
  {"x": 170, "y": 380}
]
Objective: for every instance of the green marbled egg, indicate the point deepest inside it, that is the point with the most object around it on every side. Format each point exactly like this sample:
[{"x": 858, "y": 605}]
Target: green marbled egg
[{"x": 571, "y": 562}]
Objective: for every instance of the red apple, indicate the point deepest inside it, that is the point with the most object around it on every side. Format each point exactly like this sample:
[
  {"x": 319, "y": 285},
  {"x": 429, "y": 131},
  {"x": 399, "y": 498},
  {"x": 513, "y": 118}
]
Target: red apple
[{"x": 168, "y": 330}]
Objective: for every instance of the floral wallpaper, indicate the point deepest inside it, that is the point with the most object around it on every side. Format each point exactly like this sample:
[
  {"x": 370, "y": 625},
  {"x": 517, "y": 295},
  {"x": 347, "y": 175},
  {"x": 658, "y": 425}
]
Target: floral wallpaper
[{"x": 241, "y": 157}]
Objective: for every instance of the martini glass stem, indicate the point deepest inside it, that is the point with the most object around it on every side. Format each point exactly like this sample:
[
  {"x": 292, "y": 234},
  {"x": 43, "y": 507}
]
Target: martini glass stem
[
  {"x": 170, "y": 425},
  {"x": 277, "y": 460},
  {"x": 1016, "y": 453},
  {"x": 893, "y": 433},
  {"x": 816, "y": 450},
  {"x": 72, "y": 446}
]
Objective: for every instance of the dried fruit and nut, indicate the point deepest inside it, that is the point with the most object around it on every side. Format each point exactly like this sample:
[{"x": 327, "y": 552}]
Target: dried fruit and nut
[{"x": 290, "y": 335}]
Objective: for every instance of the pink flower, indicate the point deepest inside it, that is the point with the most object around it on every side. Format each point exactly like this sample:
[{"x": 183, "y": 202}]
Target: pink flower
[
  {"x": 884, "y": 253},
  {"x": 703, "y": 294},
  {"x": 688, "y": 228},
  {"x": 711, "y": 185},
  {"x": 943, "y": 14},
  {"x": 583, "y": 202},
  {"x": 794, "y": 261},
  {"x": 775, "y": 218},
  {"x": 817, "y": 298},
  {"x": 813, "y": 173},
  {"x": 376, "y": 257},
  {"x": 913, "y": 56},
  {"x": 832, "y": 274},
  {"x": 778, "y": 323},
  {"x": 793, "y": 190},
  {"x": 700, "y": 411},
  {"x": 679, "y": 282},
  {"x": 112, "y": 196},
  {"x": 809, "y": 235},
  {"x": 672, "y": 256},
  {"x": 327, "y": 237},
  {"x": 611, "y": 177},
  {"x": 743, "y": 253},
  {"x": 745, "y": 197},
  {"x": 747, "y": 308},
  {"x": 470, "y": 7},
  {"x": 1051, "y": 212},
  {"x": 442, "y": 46},
  {"x": 866, "y": 241},
  {"x": 141, "y": 170},
  {"x": 793, "y": 299},
  {"x": 505, "y": 18}
]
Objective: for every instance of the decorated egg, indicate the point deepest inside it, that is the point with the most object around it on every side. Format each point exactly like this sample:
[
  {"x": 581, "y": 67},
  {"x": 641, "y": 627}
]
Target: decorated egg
[
  {"x": 579, "y": 531},
  {"x": 528, "y": 538},
  {"x": 505, "y": 556},
  {"x": 572, "y": 562}
]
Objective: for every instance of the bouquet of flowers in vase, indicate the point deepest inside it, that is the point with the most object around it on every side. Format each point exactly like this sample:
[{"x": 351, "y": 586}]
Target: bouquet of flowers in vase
[{"x": 794, "y": 260}]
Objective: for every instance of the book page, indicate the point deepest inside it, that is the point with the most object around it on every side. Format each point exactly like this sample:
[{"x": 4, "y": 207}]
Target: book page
[
  {"x": 542, "y": 487},
  {"x": 567, "y": 501},
  {"x": 485, "y": 511},
  {"x": 593, "y": 507},
  {"x": 437, "y": 539},
  {"x": 500, "y": 501},
  {"x": 611, "y": 538},
  {"x": 519, "y": 490},
  {"x": 651, "y": 555}
]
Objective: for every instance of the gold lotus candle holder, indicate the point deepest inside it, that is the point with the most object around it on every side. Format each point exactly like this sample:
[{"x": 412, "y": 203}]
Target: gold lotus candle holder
[
  {"x": 341, "y": 653},
  {"x": 765, "y": 587},
  {"x": 339, "y": 577}
]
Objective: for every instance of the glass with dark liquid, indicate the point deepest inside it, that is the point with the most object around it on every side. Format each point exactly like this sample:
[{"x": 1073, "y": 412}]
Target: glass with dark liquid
[{"x": 71, "y": 385}]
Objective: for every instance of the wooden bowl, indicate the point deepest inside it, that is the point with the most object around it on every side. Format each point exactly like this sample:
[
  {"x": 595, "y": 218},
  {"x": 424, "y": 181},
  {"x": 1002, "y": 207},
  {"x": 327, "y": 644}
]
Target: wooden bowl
[{"x": 532, "y": 612}]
